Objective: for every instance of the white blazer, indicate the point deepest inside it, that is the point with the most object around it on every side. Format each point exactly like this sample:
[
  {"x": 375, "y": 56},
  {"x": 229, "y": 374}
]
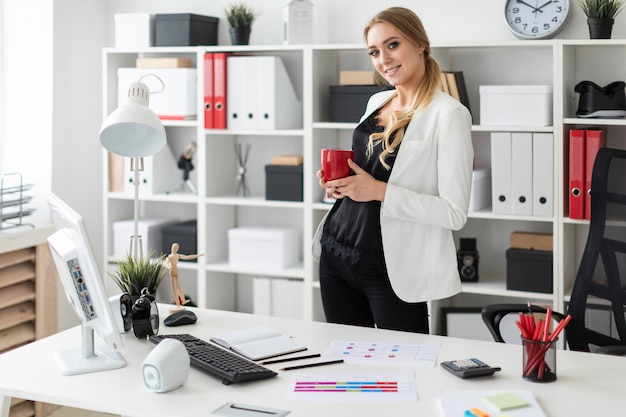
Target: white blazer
[{"x": 427, "y": 198}]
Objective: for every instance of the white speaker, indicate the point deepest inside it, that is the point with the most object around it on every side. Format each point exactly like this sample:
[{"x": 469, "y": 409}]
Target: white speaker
[
  {"x": 122, "y": 306},
  {"x": 166, "y": 367}
]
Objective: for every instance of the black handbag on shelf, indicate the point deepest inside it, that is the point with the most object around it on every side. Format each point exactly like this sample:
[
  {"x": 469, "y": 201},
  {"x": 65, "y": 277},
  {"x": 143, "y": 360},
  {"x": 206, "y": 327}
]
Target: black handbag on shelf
[{"x": 595, "y": 101}]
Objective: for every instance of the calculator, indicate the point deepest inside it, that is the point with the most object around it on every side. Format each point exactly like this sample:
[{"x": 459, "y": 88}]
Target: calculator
[{"x": 469, "y": 368}]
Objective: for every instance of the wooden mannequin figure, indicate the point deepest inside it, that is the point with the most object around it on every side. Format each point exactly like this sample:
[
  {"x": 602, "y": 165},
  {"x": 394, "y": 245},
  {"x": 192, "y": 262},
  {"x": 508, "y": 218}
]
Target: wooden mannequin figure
[{"x": 171, "y": 263}]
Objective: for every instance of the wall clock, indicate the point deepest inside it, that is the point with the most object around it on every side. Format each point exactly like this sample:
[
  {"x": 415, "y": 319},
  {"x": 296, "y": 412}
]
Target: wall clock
[{"x": 536, "y": 19}]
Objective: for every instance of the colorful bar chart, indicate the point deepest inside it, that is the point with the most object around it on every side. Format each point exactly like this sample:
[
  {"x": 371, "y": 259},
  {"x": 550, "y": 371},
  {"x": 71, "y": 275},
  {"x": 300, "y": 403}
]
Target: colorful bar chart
[{"x": 344, "y": 387}]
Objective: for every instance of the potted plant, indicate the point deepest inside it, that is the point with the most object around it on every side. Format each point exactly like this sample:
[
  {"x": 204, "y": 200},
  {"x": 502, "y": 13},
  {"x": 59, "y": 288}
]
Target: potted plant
[
  {"x": 132, "y": 275},
  {"x": 240, "y": 17},
  {"x": 601, "y": 16}
]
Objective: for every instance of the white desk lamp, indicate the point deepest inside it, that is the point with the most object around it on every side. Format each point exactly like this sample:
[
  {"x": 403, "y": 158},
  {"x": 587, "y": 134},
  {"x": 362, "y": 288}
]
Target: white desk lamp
[{"x": 135, "y": 131}]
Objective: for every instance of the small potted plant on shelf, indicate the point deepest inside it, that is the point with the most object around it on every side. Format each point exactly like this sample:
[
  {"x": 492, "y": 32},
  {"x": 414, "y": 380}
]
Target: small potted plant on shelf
[
  {"x": 240, "y": 17},
  {"x": 601, "y": 16},
  {"x": 132, "y": 275}
]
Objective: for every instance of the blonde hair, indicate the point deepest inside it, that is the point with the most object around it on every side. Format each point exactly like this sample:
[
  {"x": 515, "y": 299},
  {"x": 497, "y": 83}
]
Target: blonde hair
[{"x": 407, "y": 22}]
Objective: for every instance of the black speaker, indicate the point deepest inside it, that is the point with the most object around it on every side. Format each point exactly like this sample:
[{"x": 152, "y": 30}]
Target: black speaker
[{"x": 467, "y": 258}]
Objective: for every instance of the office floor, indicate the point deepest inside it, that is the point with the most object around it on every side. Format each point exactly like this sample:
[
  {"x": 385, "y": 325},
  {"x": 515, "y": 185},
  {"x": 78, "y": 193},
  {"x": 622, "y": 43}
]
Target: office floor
[{"x": 77, "y": 412}]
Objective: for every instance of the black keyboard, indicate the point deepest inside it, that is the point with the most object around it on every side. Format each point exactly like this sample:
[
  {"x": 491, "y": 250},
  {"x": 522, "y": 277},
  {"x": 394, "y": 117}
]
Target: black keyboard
[{"x": 215, "y": 360}]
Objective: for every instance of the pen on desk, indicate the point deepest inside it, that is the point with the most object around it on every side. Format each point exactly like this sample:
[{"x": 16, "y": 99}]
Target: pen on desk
[
  {"x": 310, "y": 365},
  {"x": 295, "y": 358},
  {"x": 252, "y": 410}
]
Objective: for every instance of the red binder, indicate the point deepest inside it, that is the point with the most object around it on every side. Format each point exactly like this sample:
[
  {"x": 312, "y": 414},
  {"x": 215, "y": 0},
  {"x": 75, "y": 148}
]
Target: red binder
[
  {"x": 594, "y": 139},
  {"x": 576, "y": 173},
  {"x": 219, "y": 89},
  {"x": 209, "y": 118}
]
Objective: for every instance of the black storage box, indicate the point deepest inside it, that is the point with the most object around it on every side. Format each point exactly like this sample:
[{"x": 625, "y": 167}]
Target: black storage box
[
  {"x": 529, "y": 270},
  {"x": 185, "y": 234},
  {"x": 347, "y": 102},
  {"x": 283, "y": 182},
  {"x": 184, "y": 29}
]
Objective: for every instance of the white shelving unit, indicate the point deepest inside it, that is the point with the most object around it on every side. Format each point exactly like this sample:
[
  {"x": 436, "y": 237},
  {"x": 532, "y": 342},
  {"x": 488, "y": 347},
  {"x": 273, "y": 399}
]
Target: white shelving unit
[{"x": 312, "y": 69}]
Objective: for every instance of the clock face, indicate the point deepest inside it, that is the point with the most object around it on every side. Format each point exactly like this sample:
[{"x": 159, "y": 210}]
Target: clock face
[{"x": 536, "y": 19}]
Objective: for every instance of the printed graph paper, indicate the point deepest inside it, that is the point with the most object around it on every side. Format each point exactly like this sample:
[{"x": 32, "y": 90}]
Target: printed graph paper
[
  {"x": 345, "y": 387},
  {"x": 408, "y": 354}
]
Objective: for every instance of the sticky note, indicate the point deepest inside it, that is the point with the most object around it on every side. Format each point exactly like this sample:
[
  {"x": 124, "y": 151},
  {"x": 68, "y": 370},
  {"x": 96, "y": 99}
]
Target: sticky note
[
  {"x": 478, "y": 412},
  {"x": 505, "y": 401}
]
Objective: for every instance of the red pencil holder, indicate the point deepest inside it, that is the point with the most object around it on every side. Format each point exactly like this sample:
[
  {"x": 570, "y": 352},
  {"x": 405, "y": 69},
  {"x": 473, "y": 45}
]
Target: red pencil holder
[{"x": 539, "y": 360}]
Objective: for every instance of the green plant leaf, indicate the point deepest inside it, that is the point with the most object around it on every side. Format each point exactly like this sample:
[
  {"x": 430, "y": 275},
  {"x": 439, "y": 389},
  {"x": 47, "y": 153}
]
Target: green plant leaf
[
  {"x": 601, "y": 9},
  {"x": 132, "y": 275},
  {"x": 240, "y": 15}
]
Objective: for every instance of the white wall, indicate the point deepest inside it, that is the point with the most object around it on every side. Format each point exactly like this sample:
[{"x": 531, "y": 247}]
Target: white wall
[
  {"x": 79, "y": 35},
  {"x": 341, "y": 21},
  {"x": 72, "y": 109},
  {"x": 27, "y": 89}
]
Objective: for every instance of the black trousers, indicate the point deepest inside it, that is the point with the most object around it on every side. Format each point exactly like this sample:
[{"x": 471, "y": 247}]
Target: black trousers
[{"x": 361, "y": 295}]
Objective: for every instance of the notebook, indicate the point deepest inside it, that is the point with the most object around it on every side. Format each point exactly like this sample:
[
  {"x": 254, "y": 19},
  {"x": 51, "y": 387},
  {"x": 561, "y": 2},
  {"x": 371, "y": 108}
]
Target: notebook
[{"x": 259, "y": 342}]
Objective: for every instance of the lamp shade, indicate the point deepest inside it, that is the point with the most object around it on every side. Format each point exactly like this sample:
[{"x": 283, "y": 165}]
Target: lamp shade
[{"x": 133, "y": 130}]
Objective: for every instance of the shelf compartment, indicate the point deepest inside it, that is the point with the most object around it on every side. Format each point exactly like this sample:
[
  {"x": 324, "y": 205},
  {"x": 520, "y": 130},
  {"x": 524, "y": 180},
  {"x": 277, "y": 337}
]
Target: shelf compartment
[
  {"x": 295, "y": 271},
  {"x": 254, "y": 201}
]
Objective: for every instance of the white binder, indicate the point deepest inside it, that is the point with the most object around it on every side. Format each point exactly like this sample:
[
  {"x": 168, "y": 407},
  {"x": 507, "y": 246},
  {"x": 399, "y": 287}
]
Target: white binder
[
  {"x": 287, "y": 298},
  {"x": 501, "y": 173},
  {"x": 241, "y": 92},
  {"x": 278, "y": 297},
  {"x": 260, "y": 94},
  {"x": 522, "y": 173},
  {"x": 160, "y": 174},
  {"x": 262, "y": 296},
  {"x": 543, "y": 173}
]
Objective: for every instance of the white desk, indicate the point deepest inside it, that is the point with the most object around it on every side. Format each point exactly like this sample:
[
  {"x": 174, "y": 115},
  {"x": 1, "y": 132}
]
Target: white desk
[{"x": 587, "y": 384}]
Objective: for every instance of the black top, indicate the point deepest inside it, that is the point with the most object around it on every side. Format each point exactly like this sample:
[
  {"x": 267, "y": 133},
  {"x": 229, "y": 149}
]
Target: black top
[{"x": 352, "y": 229}]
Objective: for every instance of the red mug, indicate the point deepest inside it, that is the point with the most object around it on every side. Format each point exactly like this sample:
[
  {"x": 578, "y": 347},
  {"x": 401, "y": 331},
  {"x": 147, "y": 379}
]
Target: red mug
[{"x": 335, "y": 163}]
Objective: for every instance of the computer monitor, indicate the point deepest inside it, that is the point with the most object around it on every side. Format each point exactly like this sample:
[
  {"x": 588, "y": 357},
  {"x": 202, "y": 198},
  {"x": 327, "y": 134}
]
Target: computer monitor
[{"x": 85, "y": 291}]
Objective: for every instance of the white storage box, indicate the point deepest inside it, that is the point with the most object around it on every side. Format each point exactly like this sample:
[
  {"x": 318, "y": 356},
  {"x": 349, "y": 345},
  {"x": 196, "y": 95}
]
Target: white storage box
[
  {"x": 263, "y": 247},
  {"x": 149, "y": 230},
  {"x": 515, "y": 105},
  {"x": 480, "y": 197},
  {"x": 134, "y": 30},
  {"x": 178, "y": 98},
  {"x": 278, "y": 297}
]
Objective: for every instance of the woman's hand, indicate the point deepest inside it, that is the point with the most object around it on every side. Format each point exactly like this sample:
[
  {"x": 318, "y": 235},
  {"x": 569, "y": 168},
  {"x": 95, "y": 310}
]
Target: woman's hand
[{"x": 359, "y": 187}]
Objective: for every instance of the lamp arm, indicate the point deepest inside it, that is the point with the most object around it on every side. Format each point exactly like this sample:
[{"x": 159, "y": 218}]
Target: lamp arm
[{"x": 135, "y": 240}]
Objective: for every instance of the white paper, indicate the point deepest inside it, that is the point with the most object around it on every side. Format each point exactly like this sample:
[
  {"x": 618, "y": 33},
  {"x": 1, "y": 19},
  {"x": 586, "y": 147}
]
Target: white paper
[
  {"x": 455, "y": 402},
  {"x": 422, "y": 355}
]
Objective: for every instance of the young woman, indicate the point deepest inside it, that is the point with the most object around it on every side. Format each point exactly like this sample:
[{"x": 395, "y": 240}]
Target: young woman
[{"x": 386, "y": 245}]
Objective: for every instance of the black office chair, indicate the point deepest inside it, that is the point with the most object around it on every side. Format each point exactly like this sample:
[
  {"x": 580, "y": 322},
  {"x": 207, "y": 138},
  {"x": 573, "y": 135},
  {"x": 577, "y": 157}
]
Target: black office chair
[
  {"x": 606, "y": 241},
  {"x": 493, "y": 314}
]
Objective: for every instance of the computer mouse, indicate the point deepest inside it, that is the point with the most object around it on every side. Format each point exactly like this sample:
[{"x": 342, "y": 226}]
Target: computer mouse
[{"x": 180, "y": 318}]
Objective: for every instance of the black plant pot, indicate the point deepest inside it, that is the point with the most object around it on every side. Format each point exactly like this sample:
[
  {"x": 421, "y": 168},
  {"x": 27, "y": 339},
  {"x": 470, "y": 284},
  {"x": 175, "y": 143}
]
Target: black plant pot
[
  {"x": 240, "y": 35},
  {"x": 600, "y": 28}
]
